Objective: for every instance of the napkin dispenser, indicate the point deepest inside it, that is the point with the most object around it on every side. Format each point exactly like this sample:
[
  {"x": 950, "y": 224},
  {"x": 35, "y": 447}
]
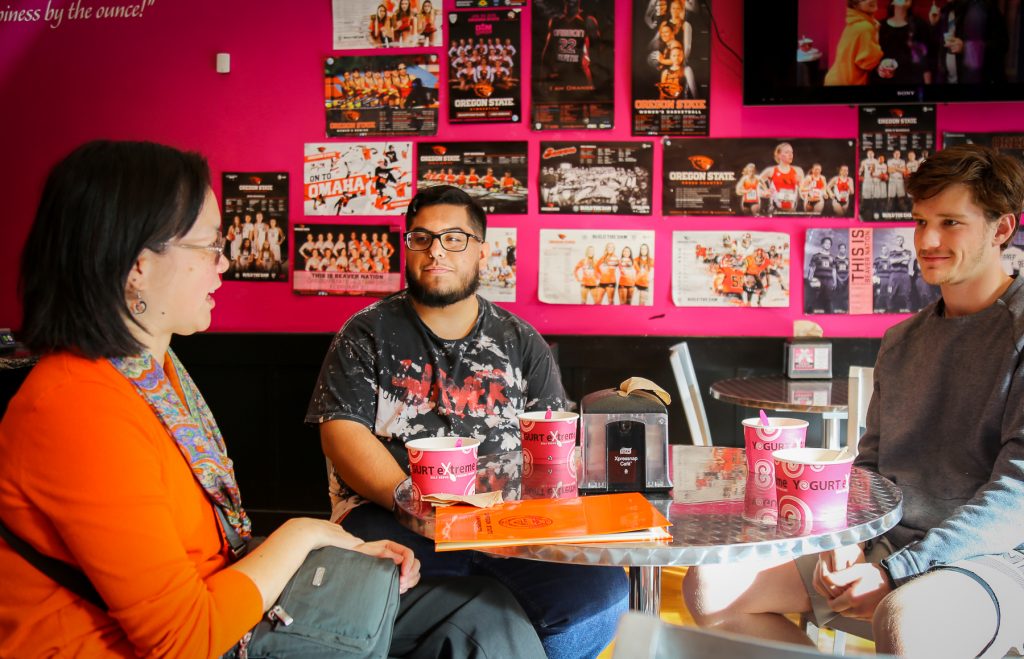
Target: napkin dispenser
[{"x": 624, "y": 439}]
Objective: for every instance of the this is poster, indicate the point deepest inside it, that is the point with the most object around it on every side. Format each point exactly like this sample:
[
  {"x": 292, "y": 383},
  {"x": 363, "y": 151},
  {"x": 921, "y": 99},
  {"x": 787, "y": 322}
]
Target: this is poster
[
  {"x": 484, "y": 67},
  {"x": 255, "y": 225},
  {"x": 894, "y": 141},
  {"x": 671, "y": 67},
  {"x": 573, "y": 69},
  {"x": 346, "y": 259},
  {"x": 359, "y": 24},
  {"x": 1011, "y": 144},
  {"x": 498, "y": 277},
  {"x": 601, "y": 177},
  {"x": 493, "y": 173},
  {"x": 381, "y": 95},
  {"x": 863, "y": 271},
  {"x": 611, "y": 268},
  {"x": 357, "y": 178},
  {"x": 730, "y": 269},
  {"x": 759, "y": 177}
]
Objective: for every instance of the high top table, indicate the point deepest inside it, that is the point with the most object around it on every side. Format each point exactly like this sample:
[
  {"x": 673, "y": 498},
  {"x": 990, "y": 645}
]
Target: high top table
[{"x": 710, "y": 515}]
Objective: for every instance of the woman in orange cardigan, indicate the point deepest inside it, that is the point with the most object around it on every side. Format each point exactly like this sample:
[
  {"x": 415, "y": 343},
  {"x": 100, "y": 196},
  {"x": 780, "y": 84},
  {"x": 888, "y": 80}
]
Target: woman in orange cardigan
[{"x": 111, "y": 462}]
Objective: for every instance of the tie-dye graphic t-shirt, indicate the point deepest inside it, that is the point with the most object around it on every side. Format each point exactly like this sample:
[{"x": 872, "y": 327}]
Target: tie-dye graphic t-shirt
[{"x": 386, "y": 370}]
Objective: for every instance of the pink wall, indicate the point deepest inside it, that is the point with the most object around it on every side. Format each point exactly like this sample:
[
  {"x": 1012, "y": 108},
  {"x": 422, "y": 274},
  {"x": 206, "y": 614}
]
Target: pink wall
[{"x": 153, "y": 78}]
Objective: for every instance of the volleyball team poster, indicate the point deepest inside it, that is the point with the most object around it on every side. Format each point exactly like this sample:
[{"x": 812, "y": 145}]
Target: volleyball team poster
[
  {"x": 357, "y": 178},
  {"x": 599, "y": 177},
  {"x": 498, "y": 276},
  {"x": 493, "y": 173},
  {"x": 346, "y": 259},
  {"x": 730, "y": 268},
  {"x": 610, "y": 268},
  {"x": 255, "y": 225},
  {"x": 359, "y": 24},
  {"x": 485, "y": 73},
  {"x": 894, "y": 141}
]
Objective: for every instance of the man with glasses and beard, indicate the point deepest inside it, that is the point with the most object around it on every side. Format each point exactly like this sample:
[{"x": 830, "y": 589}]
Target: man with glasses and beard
[{"x": 438, "y": 360}]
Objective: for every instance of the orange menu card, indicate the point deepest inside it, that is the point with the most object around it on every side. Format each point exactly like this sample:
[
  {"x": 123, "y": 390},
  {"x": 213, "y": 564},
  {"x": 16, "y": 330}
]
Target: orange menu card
[{"x": 597, "y": 518}]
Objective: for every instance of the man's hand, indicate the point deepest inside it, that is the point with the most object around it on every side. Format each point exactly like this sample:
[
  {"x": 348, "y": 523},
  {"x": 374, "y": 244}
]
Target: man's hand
[
  {"x": 863, "y": 587},
  {"x": 408, "y": 565},
  {"x": 830, "y": 562}
]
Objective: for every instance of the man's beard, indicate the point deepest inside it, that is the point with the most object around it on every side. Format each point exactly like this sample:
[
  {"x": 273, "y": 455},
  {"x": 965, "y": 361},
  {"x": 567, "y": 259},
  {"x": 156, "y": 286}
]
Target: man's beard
[{"x": 439, "y": 299}]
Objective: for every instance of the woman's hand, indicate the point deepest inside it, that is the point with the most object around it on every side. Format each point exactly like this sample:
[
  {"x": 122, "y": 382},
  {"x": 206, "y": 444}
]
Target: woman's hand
[{"x": 408, "y": 565}]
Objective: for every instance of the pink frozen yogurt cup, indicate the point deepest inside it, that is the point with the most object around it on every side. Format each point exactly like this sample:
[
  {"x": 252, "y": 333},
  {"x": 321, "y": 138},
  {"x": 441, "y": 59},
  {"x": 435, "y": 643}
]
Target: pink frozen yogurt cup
[
  {"x": 442, "y": 465},
  {"x": 813, "y": 487},
  {"x": 550, "y": 481},
  {"x": 548, "y": 440},
  {"x": 762, "y": 440}
]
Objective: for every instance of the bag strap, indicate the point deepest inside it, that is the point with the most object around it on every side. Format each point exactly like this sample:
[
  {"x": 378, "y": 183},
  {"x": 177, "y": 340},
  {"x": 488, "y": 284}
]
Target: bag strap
[
  {"x": 235, "y": 542},
  {"x": 64, "y": 574}
]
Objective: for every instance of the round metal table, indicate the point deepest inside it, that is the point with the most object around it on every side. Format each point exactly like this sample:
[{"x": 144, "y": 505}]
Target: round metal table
[
  {"x": 829, "y": 398},
  {"x": 710, "y": 514}
]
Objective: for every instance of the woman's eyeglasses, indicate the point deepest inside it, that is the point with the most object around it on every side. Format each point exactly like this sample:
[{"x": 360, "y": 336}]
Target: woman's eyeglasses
[{"x": 217, "y": 246}]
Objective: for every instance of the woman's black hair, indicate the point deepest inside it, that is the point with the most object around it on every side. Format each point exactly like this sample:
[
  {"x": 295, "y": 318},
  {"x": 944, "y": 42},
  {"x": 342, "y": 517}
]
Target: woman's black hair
[{"x": 100, "y": 207}]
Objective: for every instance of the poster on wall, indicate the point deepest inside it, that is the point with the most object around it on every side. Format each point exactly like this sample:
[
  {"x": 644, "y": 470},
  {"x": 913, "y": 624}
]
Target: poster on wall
[
  {"x": 346, "y": 259},
  {"x": 476, "y": 4},
  {"x": 484, "y": 70},
  {"x": 671, "y": 67},
  {"x": 611, "y": 268},
  {"x": 357, "y": 178},
  {"x": 611, "y": 178},
  {"x": 498, "y": 277},
  {"x": 758, "y": 177},
  {"x": 730, "y": 269},
  {"x": 381, "y": 95},
  {"x": 255, "y": 217},
  {"x": 359, "y": 24},
  {"x": 1009, "y": 143},
  {"x": 863, "y": 271},
  {"x": 893, "y": 142},
  {"x": 1013, "y": 255},
  {"x": 493, "y": 173},
  {"x": 573, "y": 71}
]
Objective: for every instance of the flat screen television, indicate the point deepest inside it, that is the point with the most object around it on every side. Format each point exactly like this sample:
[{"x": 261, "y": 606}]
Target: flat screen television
[{"x": 933, "y": 51}]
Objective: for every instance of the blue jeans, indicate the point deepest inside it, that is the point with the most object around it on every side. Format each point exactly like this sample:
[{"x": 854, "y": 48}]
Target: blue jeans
[{"x": 574, "y": 608}]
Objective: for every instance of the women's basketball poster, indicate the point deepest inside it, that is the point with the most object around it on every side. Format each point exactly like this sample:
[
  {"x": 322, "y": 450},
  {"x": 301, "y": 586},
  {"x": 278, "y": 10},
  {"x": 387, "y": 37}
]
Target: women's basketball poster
[
  {"x": 255, "y": 217},
  {"x": 600, "y": 177},
  {"x": 671, "y": 67},
  {"x": 346, "y": 259},
  {"x": 381, "y": 95},
  {"x": 894, "y": 141},
  {"x": 573, "y": 64},
  {"x": 493, "y": 173},
  {"x": 357, "y": 178},
  {"x": 610, "y": 268},
  {"x": 730, "y": 268},
  {"x": 758, "y": 177},
  {"x": 863, "y": 271},
  {"x": 498, "y": 276},
  {"x": 359, "y": 24},
  {"x": 484, "y": 71}
]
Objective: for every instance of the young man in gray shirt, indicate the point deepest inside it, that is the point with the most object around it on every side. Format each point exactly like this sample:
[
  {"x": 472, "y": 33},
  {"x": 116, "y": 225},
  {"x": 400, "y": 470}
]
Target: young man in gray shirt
[{"x": 946, "y": 424}]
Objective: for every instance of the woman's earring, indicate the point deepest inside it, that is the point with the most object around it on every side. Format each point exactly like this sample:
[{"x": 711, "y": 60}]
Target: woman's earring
[{"x": 139, "y": 306}]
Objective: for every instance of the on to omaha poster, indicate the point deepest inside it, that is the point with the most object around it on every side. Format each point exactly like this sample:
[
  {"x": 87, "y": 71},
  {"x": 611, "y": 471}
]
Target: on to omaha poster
[
  {"x": 493, "y": 173},
  {"x": 599, "y": 177},
  {"x": 346, "y": 259},
  {"x": 573, "y": 70},
  {"x": 498, "y": 276},
  {"x": 760, "y": 177},
  {"x": 671, "y": 67},
  {"x": 484, "y": 71},
  {"x": 357, "y": 178},
  {"x": 611, "y": 268},
  {"x": 362, "y": 24},
  {"x": 730, "y": 268},
  {"x": 381, "y": 95},
  {"x": 255, "y": 225},
  {"x": 894, "y": 140}
]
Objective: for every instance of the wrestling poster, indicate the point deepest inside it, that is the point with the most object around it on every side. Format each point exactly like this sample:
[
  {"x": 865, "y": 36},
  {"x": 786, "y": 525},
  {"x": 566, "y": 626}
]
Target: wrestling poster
[
  {"x": 671, "y": 67},
  {"x": 484, "y": 71},
  {"x": 255, "y": 217},
  {"x": 573, "y": 70},
  {"x": 359, "y": 24},
  {"x": 863, "y": 271},
  {"x": 730, "y": 269},
  {"x": 352, "y": 178},
  {"x": 758, "y": 177},
  {"x": 1009, "y": 143},
  {"x": 498, "y": 277},
  {"x": 894, "y": 141},
  {"x": 493, "y": 173},
  {"x": 602, "y": 177},
  {"x": 381, "y": 95},
  {"x": 346, "y": 259},
  {"x": 611, "y": 268}
]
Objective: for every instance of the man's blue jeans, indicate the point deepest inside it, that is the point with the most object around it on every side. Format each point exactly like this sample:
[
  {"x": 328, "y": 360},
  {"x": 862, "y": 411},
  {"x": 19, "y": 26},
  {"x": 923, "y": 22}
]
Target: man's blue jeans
[{"x": 574, "y": 608}]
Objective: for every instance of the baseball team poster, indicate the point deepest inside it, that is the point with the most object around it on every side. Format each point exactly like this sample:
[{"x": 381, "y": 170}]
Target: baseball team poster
[
  {"x": 730, "y": 269},
  {"x": 381, "y": 95},
  {"x": 484, "y": 67},
  {"x": 493, "y": 173},
  {"x": 600, "y": 177},
  {"x": 611, "y": 268},
  {"x": 894, "y": 141},
  {"x": 357, "y": 178},
  {"x": 255, "y": 217},
  {"x": 346, "y": 259}
]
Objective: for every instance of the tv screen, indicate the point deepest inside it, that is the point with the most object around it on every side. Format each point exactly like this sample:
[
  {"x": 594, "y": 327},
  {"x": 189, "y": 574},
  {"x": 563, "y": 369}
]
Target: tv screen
[{"x": 928, "y": 51}]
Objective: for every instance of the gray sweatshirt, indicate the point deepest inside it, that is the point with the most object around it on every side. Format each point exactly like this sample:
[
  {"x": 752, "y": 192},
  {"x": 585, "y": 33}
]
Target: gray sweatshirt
[{"x": 946, "y": 424}]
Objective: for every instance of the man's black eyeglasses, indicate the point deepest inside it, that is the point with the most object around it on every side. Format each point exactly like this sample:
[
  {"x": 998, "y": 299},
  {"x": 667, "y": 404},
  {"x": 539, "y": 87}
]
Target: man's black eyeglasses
[{"x": 452, "y": 240}]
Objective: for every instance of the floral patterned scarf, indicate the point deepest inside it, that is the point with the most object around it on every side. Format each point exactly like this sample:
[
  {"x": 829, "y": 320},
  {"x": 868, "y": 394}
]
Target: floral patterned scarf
[{"x": 193, "y": 428}]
